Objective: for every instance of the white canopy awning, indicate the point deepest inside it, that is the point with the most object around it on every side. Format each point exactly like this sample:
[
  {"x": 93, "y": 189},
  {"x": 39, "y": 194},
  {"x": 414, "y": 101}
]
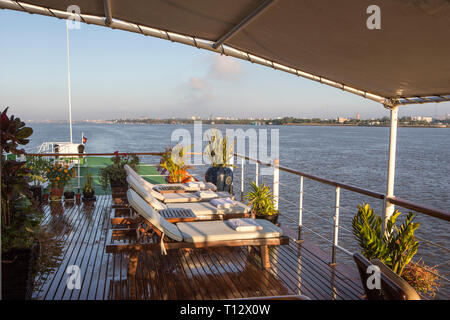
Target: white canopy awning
[{"x": 406, "y": 61}]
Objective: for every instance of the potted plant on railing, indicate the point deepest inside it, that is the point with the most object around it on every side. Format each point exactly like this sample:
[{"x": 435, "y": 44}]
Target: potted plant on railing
[
  {"x": 59, "y": 176},
  {"x": 88, "y": 188},
  {"x": 38, "y": 167},
  {"x": 261, "y": 200},
  {"x": 20, "y": 220},
  {"x": 220, "y": 152},
  {"x": 115, "y": 174},
  {"x": 173, "y": 164},
  {"x": 394, "y": 246}
]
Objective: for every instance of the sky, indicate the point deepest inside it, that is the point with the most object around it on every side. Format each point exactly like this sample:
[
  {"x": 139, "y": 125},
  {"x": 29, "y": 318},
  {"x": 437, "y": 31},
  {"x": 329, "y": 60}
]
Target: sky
[{"x": 117, "y": 74}]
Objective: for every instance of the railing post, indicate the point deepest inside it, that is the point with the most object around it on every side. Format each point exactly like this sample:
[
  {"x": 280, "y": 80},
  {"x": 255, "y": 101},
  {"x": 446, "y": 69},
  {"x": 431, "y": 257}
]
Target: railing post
[
  {"x": 242, "y": 179},
  {"x": 276, "y": 182},
  {"x": 389, "y": 207},
  {"x": 300, "y": 212},
  {"x": 257, "y": 173},
  {"x": 336, "y": 225},
  {"x": 78, "y": 174}
]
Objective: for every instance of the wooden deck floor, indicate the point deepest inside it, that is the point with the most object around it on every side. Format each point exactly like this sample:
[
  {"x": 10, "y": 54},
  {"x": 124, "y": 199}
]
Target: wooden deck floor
[{"x": 225, "y": 273}]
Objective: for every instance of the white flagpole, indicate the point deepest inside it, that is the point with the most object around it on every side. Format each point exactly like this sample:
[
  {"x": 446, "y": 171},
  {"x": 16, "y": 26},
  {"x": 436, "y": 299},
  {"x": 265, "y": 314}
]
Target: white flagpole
[{"x": 68, "y": 80}]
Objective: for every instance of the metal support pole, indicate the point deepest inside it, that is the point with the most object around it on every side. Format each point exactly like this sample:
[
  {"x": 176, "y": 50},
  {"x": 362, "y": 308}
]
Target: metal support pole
[
  {"x": 256, "y": 173},
  {"x": 276, "y": 182},
  {"x": 78, "y": 175},
  {"x": 242, "y": 179},
  {"x": 389, "y": 207},
  {"x": 336, "y": 225},
  {"x": 68, "y": 80},
  {"x": 300, "y": 212}
]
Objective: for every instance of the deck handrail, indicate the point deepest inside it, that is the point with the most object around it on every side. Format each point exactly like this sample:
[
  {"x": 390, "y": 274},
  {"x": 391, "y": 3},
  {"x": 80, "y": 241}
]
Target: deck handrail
[
  {"x": 427, "y": 210},
  {"x": 93, "y": 154}
]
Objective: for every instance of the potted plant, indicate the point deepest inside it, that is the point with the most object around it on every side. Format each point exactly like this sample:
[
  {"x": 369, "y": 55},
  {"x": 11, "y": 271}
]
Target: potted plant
[
  {"x": 115, "y": 174},
  {"x": 260, "y": 198},
  {"x": 220, "y": 152},
  {"x": 173, "y": 164},
  {"x": 20, "y": 220},
  {"x": 88, "y": 188},
  {"x": 78, "y": 196},
  {"x": 59, "y": 176},
  {"x": 38, "y": 167},
  {"x": 69, "y": 196},
  {"x": 394, "y": 246}
]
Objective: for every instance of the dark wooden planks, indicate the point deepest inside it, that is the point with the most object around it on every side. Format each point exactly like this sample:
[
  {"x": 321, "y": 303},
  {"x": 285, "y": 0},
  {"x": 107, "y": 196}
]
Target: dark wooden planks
[{"x": 199, "y": 273}]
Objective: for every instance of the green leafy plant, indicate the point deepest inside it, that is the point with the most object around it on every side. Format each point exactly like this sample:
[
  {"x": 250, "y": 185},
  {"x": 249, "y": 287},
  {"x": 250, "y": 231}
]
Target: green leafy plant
[
  {"x": 19, "y": 218},
  {"x": 59, "y": 175},
  {"x": 260, "y": 198},
  {"x": 115, "y": 172},
  {"x": 88, "y": 184},
  {"x": 173, "y": 162},
  {"x": 219, "y": 149},
  {"x": 394, "y": 246},
  {"x": 13, "y": 133},
  {"x": 38, "y": 168}
]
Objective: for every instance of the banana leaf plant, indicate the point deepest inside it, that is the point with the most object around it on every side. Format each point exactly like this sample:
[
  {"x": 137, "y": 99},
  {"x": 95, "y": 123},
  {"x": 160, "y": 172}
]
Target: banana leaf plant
[
  {"x": 13, "y": 133},
  {"x": 19, "y": 219},
  {"x": 394, "y": 246}
]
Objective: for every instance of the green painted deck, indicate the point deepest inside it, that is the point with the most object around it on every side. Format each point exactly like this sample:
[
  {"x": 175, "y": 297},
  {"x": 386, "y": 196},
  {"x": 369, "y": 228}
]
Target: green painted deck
[{"x": 93, "y": 165}]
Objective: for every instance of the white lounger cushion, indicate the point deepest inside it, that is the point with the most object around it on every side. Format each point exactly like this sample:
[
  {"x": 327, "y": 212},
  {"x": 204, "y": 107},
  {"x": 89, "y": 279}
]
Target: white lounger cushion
[
  {"x": 206, "y": 208},
  {"x": 190, "y": 197},
  {"x": 133, "y": 173},
  {"x": 146, "y": 211},
  {"x": 142, "y": 190},
  {"x": 199, "y": 231},
  {"x": 145, "y": 194},
  {"x": 220, "y": 230}
]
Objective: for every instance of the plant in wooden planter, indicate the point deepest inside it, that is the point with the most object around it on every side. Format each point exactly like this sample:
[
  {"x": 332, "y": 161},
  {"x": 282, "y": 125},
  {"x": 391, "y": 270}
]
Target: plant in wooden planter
[
  {"x": 88, "y": 188},
  {"x": 20, "y": 220},
  {"x": 115, "y": 174},
  {"x": 59, "y": 176},
  {"x": 38, "y": 168},
  {"x": 395, "y": 246},
  {"x": 220, "y": 153},
  {"x": 78, "y": 196},
  {"x": 173, "y": 163},
  {"x": 261, "y": 200}
]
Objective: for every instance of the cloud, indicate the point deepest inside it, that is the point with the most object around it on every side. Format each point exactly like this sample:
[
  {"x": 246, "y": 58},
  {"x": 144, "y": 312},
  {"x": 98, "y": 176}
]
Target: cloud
[
  {"x": 225, "y": 68},
  {"x": 199, "y": 84}
]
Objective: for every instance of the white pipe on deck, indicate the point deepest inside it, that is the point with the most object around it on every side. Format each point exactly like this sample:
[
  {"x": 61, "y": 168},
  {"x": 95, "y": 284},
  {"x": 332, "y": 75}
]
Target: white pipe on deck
[
  {"x": 389, "y": 207},
  {"x": 68, "y": 80}
]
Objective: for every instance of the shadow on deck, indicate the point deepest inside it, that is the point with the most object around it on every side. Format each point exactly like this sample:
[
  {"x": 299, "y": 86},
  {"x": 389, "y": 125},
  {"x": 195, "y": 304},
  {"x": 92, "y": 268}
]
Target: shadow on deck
[{"x": 219, "y": 273}]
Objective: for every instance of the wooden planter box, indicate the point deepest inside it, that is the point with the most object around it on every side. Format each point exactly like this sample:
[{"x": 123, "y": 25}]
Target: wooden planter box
[{"x": 18, "y": 267}]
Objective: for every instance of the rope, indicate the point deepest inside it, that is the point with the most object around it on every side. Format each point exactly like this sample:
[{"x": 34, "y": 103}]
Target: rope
[{"x": 163, "y": 248}]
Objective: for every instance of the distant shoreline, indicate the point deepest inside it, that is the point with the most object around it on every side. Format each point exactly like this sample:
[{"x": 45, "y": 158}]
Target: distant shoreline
[{"x": 207, "y": 122}]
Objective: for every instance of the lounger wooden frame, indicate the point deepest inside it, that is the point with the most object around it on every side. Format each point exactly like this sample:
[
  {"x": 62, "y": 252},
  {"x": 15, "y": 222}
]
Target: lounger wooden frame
[{"x": 146, "y": 229}]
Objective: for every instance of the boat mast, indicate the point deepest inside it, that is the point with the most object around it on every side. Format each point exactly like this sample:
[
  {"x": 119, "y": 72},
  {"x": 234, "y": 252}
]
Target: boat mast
[{"x": 68, "y": 80}]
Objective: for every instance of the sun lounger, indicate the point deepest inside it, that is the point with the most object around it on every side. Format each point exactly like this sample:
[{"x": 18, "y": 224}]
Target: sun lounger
[
  {"x": 178, "y": 212},
  {"x": 194, "y": 234},
  {"x": 173, "y": 187},
  {"x": 175, "y": 197}
]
